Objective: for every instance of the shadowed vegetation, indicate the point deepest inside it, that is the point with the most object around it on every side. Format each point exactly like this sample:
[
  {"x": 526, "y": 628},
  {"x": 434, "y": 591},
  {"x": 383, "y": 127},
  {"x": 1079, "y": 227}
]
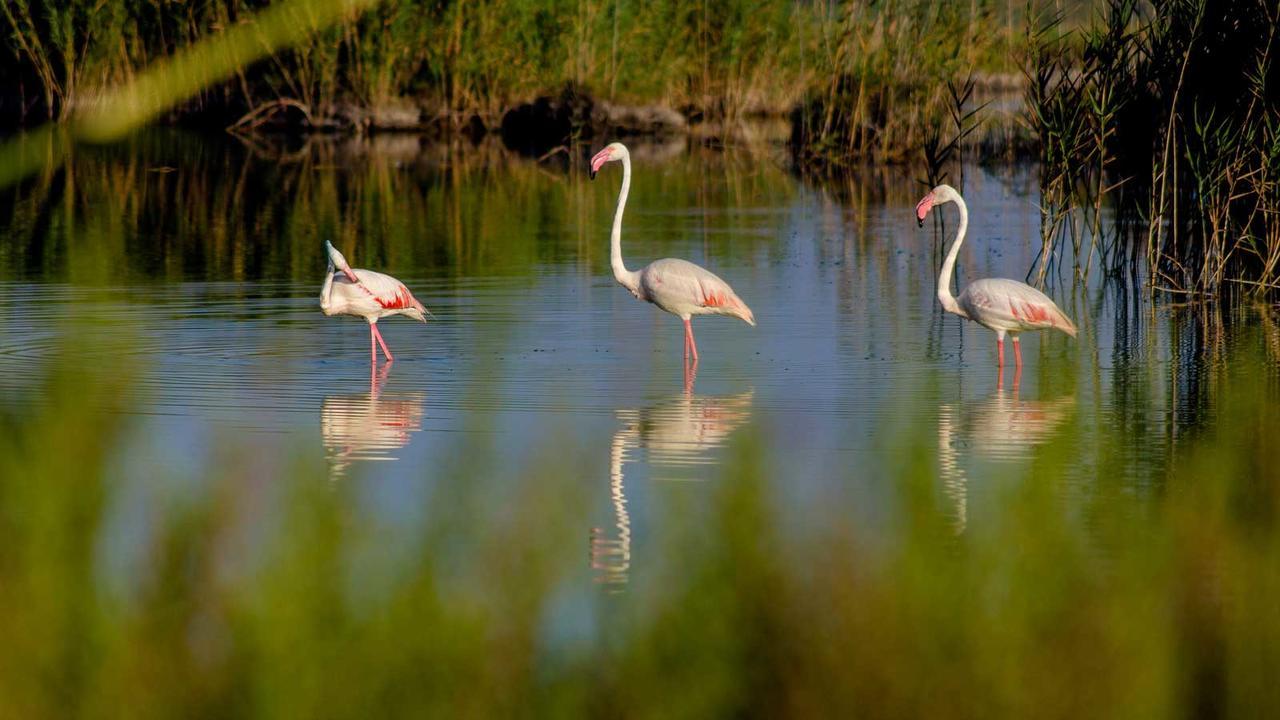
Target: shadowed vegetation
[
  {"x": 870, "y": 73},
  {"x": 1170, "y": 114}
]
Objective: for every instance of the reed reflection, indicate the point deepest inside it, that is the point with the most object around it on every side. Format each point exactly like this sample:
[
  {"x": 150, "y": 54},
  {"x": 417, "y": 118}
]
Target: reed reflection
[
  {"x": 1002, "y": 428},
  {"x": 680, "y": 432},
  {"x": 368, "y": 426}
]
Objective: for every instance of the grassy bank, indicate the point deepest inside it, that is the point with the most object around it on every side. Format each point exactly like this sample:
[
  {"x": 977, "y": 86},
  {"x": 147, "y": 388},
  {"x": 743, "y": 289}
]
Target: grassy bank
[{"x": 879, "y": 68}]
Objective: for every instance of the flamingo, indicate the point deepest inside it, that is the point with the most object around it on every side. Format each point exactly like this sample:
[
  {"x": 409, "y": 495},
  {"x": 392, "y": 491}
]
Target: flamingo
[
  {"x": 1005, "y": 306},
  {"x": 366, "y": 294},
  {"x": 677, "y": 286}
]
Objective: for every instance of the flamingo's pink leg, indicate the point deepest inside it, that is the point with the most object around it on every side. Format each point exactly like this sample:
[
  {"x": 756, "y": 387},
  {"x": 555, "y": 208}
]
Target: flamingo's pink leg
[
  {"x": 688, "y": 333},
  {"x": 1017, "y": 353},
  {"x": 373, "y": 348},
  {"x": 690, "y": 374},
  {"x": 382, "y": 342},
  {"x": 1000, "y": 353}
]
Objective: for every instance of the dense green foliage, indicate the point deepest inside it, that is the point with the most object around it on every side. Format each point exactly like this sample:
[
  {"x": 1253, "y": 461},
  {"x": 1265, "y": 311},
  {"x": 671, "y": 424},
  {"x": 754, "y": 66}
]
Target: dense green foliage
[
  {"x": 452, "y": 55},
  {"x": 876, "y": 66}
]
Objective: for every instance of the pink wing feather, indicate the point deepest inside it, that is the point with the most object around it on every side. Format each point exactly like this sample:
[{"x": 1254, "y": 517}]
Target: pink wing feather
[
  {"x": 389, "y": 292},
  {"x": 1013, "y": 304},
  {"x": 672, "y": 282}
]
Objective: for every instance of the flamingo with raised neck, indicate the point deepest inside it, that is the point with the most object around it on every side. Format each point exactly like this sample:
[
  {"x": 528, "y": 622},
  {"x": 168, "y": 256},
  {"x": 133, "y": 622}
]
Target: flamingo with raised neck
[
  {"x": 1004, "y": 306},
  {"x": 676, "y": 286}
]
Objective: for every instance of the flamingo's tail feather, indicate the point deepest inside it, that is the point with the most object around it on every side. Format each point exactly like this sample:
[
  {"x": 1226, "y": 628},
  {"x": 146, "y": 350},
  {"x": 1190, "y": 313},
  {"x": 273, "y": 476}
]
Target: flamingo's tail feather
[
  {"x": 423, "y": 312},
  {"x": 1063, "y": 323}
]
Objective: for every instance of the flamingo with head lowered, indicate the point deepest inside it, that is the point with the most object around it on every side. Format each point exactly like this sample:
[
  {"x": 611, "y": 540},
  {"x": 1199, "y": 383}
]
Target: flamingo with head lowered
[
  {"x": 1005, "y": 306},
  {"x": 677, "y": 286},
  {"x": 366, "y": 294}
]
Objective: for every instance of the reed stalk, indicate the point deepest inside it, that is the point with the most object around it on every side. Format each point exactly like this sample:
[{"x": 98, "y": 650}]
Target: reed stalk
[{"x": 1177, "y": 100}]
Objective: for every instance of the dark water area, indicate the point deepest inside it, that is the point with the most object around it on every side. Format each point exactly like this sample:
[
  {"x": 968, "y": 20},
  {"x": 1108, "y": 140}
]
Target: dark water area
[{"x": 196, "y": 262}]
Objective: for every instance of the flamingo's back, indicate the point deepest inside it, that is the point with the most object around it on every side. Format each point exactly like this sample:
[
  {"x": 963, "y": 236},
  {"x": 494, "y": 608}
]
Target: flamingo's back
[
  {"x": 683, "y": 288},
  {"x": 375, "y": 295},
  {"x": 389, "y": 292},
  {"x": 1009, "y": 305}
]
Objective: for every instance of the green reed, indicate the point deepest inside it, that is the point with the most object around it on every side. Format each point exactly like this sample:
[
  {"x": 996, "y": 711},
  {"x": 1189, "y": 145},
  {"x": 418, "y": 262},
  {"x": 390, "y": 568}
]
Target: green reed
[
  {"x": 883, "y": 76},
  {"x": 869, "y": 78},
  {"x": 939, "y": 155},
  {"x": 719, "y": 57},
  {"x": 1167, "y": 113}
]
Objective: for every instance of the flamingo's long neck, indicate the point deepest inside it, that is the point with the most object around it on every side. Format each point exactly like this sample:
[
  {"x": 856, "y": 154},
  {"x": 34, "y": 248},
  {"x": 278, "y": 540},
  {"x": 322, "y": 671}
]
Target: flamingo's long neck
[
  {"x": 625, "y": 277},
  {"x": 949, "y": 265}
]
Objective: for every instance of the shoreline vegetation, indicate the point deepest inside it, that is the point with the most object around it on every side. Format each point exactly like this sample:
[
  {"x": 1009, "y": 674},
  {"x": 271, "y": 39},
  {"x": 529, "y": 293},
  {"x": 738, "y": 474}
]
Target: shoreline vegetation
[
  {"x": 866, "y": 78},
  {"x": 1155, "y": 126},
  {"x": 1165, "y": 119}
]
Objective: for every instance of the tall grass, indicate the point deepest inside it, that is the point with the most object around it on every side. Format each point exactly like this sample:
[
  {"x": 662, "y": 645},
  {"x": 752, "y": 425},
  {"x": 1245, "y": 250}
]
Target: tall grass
[
  {"x": 1075, "y": 86},
  {"x": 869, "y": 79},
  {"x": 718, "y": 57},
  {"x": 882, "y": 76},
  {"x": 1169, "y": 114}
]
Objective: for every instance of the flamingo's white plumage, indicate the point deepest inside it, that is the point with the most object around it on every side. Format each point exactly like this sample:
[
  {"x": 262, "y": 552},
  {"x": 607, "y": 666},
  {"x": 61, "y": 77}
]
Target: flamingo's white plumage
[
  {"x": 366, "y": 294},
  {"x": 676, "y": 286}
]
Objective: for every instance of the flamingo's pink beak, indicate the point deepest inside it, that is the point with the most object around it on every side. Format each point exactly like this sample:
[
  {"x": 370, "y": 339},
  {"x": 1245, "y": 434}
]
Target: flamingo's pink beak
[
  {"x": 598, "y": 161},
  {"x": 923, "y": 207}
]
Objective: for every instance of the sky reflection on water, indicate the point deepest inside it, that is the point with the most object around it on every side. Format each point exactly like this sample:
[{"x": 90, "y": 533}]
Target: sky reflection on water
[{"x": 210, "y": 273}]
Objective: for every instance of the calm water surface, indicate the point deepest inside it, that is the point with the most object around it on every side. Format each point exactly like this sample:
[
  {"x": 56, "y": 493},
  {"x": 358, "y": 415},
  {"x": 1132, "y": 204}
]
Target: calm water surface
[{"x": 198, "y": 262}]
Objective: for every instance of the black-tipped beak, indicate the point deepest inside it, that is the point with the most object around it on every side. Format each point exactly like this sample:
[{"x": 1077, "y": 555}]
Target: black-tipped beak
[
  {"x": 591, "y": 174},
  {"x": 919, "y": 222}
]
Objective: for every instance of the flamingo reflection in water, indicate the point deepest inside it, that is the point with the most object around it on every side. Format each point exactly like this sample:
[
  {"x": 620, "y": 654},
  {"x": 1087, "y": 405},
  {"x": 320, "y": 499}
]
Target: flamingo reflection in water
[
  {"x": 1001, "y": 428},
  {"x": 611, "y": 556},
  {"x": 678, "y": 432},
  {"x": 368, "y": 426}
]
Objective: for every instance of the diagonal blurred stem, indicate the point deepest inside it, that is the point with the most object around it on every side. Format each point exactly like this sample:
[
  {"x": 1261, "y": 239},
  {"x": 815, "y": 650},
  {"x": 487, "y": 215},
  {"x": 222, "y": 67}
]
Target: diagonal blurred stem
[
  {"x": 169, "y": 81},
  {"x": 209, "y": 61}
]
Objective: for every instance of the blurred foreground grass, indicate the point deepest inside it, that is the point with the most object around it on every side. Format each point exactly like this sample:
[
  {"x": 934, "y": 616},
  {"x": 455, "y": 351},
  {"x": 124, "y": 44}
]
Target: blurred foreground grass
[{"x": 263, "y": 594}]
